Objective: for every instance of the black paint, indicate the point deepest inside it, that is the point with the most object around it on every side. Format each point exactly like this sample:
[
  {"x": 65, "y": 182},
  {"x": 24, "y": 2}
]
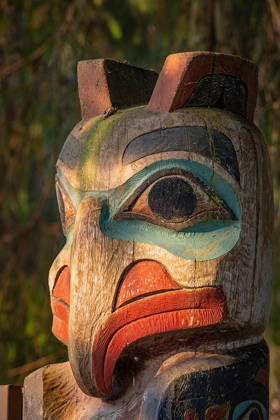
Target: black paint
[
  {"x": 177, "y": 389},
  {"x": 209, "y": 143},
  {"x": 70, "y": 152},
  {"x": 224, "y": 152},
  {"x": 61, "y": 207},
  {"x": 172, "y": 199},
  {"x": 129, "y": 85},
  {"x": 219, "y": 91}
]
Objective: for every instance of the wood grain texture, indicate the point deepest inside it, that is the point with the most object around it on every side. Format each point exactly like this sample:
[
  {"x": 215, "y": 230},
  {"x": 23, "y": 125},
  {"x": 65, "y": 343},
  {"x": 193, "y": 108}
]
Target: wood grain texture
[
  {"x": 105, "y": 84},
  {"x": 51, "y": 393},
  {"x": 211, "y": 387},
  {"x": 182, "y": 72},
  {"x": 236, "y": 269},
  {"x": 217, "y": 91},
  {"x": 136, "y": 187},
  {"x": 209, "y": 143},
  {"x": 96, "y": 263},
  {"x": 162, "y": 389},
  {"x": 10, "y": 402},
  {"x": 235, "y": 273},
  {"x": 168, "y": 311},
  {"x": 143, "y": 278}
]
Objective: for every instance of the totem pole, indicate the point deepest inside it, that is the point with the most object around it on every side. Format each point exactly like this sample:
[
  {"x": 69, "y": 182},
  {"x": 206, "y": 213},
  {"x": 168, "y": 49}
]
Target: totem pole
[{"x": 163, "y": 288}]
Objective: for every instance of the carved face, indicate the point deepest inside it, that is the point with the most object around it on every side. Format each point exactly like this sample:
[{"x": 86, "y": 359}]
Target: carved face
[{"x": 168, "y": 225}]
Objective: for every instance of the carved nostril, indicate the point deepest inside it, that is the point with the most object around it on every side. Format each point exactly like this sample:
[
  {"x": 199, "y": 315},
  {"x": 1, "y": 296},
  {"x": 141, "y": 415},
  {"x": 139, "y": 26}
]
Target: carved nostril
[{"x": 61, "y": 289}]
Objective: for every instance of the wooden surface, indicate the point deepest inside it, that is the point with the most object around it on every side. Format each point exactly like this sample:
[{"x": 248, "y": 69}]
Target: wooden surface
[
  {"x": 237, "y": 274},
  {"x": 169, "y": 224},
  {"x": 210, "y": 387},
  {"x": 236, "y": 271},
  {"x": 143, "y": 278},
  {"x": 108, "y": 84},
  {"x": 10, "y": 402},
  {"x": 98, "y": 262},
  {"x": 164, "y": 390},
  {"x": 182, "y": 72}
]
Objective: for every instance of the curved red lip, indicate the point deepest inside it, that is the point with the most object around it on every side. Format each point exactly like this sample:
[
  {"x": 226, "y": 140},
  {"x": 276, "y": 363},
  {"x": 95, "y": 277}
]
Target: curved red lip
[
  {"x": 168, "y": 311},
  {"x": 60, "y": 302}
]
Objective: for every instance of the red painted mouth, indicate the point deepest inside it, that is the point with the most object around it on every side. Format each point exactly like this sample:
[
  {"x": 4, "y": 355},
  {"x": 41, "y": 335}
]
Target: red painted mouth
[
  {"x": 162, "y": 312},
  {"x": 60, "y": 301}
]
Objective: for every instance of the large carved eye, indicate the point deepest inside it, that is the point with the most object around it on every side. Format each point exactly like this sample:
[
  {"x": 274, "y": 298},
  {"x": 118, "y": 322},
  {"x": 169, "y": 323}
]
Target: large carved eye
[
  {"x": 177, "y": 201},
  {"x": 66, "y": 209}
]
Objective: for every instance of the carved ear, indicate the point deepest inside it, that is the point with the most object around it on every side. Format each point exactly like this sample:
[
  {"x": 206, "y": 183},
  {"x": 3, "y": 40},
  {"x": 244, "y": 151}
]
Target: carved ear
[
  {"x": 106, "y": 83},
  {"x": 206, "y": 79}
]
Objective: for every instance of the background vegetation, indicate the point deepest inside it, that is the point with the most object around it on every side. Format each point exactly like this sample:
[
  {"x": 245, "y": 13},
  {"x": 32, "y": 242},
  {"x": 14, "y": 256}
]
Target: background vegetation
[{"x": 40, "y": 44}]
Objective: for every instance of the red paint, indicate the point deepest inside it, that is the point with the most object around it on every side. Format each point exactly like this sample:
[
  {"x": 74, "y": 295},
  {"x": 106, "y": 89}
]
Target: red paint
[
  {"x": 101, "y": 85},
  {"x": 217, "y": 412},
  {"x": 60, "y": 301},
  {"x": 59, "y": 328},
  {"x": 172, "y": 310},
  {"x": 155, "y": 324},
  {"x": 60, "y": 309},
  {"x": 181, "y": 73},
  {"x": 262, "y": 377},
  {"x": 61, "y": 288},
  {"x": 190, "y": 414},
  {"x": 144, "y": 278}
]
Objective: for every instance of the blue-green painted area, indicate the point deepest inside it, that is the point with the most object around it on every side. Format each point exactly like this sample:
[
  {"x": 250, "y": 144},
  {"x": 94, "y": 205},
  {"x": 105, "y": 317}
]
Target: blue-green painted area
[
  {"x": 69, "y": 237},
  {"x": 242, "y": 407},
  {"x": 203, "y": 241},
  {"x": 121, "y": 194},
  {"x": 208, "y": 240}
]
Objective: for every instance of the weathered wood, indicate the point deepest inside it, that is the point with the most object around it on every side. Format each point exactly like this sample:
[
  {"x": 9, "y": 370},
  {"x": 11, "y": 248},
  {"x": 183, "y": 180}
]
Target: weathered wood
[
  {"x": 224, "y": 92},
  {"x": 10, "y": 402},
  {"x": 191, "y": 139},
  {"x": 52, "y": 393},
  {"x": 169, "y": 225},
  {"x": 106, "y": 84},
  {"x": 143, "y": 278},
  {"x": 227, "y": 75},
  {"x": 212, "y": 387}
]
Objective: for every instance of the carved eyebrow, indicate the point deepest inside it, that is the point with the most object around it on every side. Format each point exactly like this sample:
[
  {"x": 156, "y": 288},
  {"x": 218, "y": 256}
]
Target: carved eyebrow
[{"x": 207, "y": 142}]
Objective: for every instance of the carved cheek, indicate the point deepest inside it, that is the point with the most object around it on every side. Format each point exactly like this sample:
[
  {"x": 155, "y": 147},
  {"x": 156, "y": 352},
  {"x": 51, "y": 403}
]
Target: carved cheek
[
  {"x": 246, "y": 271},
  {"x": 186, "y": 273}
]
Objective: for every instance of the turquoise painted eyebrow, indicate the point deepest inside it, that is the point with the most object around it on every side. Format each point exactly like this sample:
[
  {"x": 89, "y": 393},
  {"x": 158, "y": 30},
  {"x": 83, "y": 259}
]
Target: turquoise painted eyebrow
[
  {"x": 205, "y": 240},
  {"x": 119, "y": 195}
]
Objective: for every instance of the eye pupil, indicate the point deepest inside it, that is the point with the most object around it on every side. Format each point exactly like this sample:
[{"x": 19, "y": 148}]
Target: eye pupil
[
  {"x": 254, "y": 415},
  {"x": 172, "y": 199}
]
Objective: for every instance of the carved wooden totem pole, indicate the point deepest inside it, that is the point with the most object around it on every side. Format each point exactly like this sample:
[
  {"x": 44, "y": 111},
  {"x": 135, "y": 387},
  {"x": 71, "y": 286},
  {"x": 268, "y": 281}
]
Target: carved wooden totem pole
[{"x": 162, "y": 290}]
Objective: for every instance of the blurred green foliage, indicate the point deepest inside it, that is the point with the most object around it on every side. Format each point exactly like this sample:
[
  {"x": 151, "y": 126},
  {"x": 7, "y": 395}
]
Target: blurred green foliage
[{"x": 40, "y": 44}]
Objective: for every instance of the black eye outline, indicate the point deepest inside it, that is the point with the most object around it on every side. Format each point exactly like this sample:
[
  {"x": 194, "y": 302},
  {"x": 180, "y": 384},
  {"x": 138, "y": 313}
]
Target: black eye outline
[
  {"x": 223, "y": 211},
  {"x": 64, "y": 200}
]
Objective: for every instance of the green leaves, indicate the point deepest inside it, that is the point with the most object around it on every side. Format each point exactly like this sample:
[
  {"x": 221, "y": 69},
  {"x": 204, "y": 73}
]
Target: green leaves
[{"x": 114, "y": 28}]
